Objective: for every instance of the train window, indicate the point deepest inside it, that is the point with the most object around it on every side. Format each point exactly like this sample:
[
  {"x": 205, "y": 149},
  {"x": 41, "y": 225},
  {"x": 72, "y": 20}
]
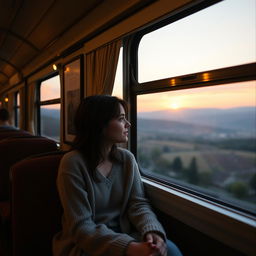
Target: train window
[
  {"x": 196, "y": 130},
  {"x": 203, "y": 139},
  {"x": 118, "y": 84},
  {"x": 17, "y": 109},
  {"x": 221, "y": 35},
  {"x": 49, "y": 108}
]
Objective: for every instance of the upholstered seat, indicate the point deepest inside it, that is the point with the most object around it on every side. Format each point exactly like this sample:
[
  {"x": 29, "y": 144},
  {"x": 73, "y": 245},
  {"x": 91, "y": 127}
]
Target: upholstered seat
[
  {"x": 13, "y": 133},
  {"x": 13, "y": 150},
  {"x": 36, "y": 209}
]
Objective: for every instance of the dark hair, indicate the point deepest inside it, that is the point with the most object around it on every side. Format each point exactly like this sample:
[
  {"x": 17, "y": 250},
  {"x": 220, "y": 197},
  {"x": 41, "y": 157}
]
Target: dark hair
[
  {"x": 92, "y": 116},
  {"x": 4, "y": 114}
]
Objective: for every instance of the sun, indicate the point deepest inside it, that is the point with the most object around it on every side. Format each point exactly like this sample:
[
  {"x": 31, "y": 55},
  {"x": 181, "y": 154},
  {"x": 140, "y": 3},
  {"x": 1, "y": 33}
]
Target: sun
[{"x": 174, "y": 105}]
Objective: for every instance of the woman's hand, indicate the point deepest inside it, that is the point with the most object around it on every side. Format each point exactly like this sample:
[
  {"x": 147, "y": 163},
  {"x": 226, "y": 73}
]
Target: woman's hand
[
  {"x": 157, "y": 243},
  {"x": 141, "y": 249}
]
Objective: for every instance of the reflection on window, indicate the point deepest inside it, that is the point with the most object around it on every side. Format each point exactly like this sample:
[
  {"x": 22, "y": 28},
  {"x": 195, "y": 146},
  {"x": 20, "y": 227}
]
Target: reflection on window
[
  {"x": 118, "y": 84},
  {"x": 221, "y": 35},
  {"x": 50, "y": 121},
  {"x": 202, "y": 138},
  {"x": 50, "y": 89}
]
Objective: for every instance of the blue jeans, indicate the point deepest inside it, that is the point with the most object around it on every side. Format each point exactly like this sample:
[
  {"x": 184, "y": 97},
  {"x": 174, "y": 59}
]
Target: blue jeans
[{"x": 172, "y": 249}]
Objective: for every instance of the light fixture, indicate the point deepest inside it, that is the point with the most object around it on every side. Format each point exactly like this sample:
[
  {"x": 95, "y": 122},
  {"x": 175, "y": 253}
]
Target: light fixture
[
  {"x": 6, "y": 99},
  {"x": 66, "y": 69},
  {"x": 56, "y": 66}
]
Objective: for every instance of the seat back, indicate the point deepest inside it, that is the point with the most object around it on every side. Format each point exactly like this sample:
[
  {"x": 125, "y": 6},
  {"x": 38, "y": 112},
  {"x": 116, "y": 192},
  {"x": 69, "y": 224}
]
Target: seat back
[
  {"x": 7, "y": 128},
  {"x": 13, "y": 150},
  {"x": 13, "y": 133},
  {"x": 36, "y": 209}
]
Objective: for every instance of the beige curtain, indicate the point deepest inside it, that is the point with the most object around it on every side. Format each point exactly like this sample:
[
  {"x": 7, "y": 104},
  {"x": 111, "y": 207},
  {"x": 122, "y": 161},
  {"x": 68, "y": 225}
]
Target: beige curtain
[
  {"x": 100, "y": 66},
  {"x": 22, "y": 121},
  {"x": 10, "y": 106},
  {"x": 31, "y": 107}
]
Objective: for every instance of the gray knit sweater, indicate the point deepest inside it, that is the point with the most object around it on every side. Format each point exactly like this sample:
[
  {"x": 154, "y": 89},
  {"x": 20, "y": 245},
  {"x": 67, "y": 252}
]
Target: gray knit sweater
[{"x": 81, "y": 234}]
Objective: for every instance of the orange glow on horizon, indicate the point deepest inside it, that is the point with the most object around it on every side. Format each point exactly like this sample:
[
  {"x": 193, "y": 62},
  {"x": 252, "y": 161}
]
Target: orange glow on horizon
[{"x": 222, "y": 97}]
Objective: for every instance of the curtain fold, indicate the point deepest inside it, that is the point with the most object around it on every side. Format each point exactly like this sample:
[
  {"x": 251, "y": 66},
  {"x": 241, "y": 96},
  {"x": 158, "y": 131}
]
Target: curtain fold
[
  {"x": 100, "y": 66},
  {"x": 22, "y": 120},
  {"x": 10, "y": 106}
]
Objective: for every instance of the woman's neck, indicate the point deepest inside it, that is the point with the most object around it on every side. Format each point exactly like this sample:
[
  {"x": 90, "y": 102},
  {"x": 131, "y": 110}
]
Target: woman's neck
[{"x": 106, "y": 149}]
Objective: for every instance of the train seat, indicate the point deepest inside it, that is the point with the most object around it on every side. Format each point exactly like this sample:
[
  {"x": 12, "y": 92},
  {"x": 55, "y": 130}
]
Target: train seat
[
  {"x": 8, "y": 128},
  {"x": 13, "y": 133},
  {"x": 36, "y": 209},
  {"x": 13, "y": 150}
]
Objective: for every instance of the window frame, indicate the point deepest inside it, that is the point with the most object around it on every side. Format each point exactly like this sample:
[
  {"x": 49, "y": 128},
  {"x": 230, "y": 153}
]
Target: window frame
[
  {"x": 45, "y": 102},
  {"x": 216, "y": 219}
]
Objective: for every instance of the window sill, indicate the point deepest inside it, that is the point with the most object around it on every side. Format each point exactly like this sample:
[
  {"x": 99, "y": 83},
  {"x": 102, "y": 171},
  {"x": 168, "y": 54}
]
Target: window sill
[{"x": 232, "y": 228}]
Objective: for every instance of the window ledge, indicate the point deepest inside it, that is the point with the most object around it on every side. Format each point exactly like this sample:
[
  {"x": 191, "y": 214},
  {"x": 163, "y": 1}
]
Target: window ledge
[{"x": 232, "y": 228}]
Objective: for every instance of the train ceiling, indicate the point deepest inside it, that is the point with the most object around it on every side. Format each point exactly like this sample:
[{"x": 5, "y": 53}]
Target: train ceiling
[{"x": 29, "y": 28}]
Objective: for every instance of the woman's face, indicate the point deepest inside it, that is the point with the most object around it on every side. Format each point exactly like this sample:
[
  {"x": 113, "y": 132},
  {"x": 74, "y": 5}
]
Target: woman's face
[{"x": 117, "y": 129}]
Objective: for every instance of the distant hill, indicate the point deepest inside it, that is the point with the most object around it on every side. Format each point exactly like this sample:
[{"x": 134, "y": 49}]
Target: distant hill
[
  {"x": 51, "y": 112},
  {"x": 185, "y": 131},
  {"x": 241, "y": 119},
  {"x": 50, "y": 123}
]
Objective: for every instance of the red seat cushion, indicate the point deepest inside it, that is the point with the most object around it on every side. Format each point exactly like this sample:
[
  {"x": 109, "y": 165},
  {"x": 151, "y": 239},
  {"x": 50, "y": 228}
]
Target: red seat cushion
[
  {"x": 36, "y": 209},
  {"x": 16, "y": 149}
]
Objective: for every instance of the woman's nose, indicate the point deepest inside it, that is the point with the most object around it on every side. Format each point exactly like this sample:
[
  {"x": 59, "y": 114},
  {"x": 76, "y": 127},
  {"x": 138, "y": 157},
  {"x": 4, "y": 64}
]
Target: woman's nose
[{"x": 127, "y": 124}]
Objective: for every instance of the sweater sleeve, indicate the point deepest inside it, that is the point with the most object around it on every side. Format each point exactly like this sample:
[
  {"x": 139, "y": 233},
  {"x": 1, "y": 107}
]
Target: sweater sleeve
[
  {"x": 93, "y": 239},
  {"x": 139, "y": 209}
]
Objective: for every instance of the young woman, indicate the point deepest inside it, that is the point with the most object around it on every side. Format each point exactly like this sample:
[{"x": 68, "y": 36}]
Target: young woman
[{"x": 105, "y": 209}]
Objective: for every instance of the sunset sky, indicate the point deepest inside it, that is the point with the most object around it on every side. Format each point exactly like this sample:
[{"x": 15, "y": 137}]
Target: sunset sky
[{"x": 220, "y": 36}]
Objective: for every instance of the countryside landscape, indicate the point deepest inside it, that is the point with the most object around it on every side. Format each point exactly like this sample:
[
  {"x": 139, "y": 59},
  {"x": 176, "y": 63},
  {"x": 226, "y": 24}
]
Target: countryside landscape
[{"x": 212, "y": 150}]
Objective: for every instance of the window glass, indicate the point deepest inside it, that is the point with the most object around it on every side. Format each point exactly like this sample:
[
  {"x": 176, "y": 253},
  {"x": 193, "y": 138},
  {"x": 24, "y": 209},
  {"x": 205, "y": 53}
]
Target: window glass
[
  {"x": 118, "y": 84},
  {"x": 50, "y": 121},
  {"x": 221, "y": 35},
  {"x": 202, "y": 138},
  {"x": 50, "y": 89}
]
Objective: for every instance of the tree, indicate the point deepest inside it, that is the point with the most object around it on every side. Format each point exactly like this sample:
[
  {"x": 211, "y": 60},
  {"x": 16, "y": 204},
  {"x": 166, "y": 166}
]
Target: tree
[
  {"x": 177, "y": 164},
  {"x": 192, "y": 172},
  {"x": 238, "y": 189}
]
